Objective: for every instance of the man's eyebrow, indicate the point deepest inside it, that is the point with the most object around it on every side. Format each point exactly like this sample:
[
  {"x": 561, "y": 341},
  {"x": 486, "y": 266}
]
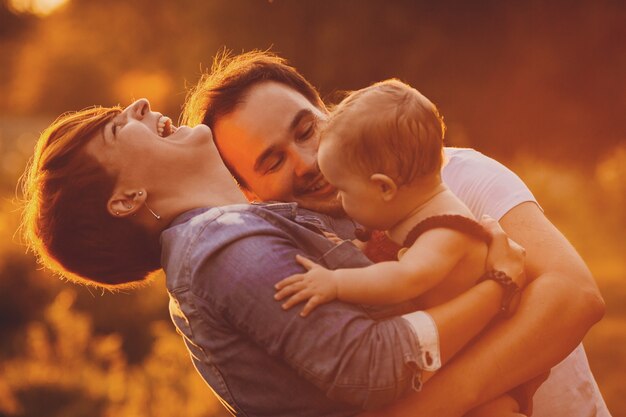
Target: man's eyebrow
[{"x": 298, "y": 117}]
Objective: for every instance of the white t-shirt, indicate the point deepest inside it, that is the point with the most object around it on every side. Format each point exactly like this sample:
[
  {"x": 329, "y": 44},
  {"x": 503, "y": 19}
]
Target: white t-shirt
[{"x": 488, "y": 187}]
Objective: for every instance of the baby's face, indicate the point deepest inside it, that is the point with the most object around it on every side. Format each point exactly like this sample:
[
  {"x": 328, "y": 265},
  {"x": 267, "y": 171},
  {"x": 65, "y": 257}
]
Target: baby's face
[{"x": 359, "y": 196}]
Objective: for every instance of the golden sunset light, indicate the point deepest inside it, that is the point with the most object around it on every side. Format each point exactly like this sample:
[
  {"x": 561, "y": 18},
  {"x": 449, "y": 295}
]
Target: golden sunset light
[
  {"x": 536, "y": 89},
  {"x": 40, "y": 8}
]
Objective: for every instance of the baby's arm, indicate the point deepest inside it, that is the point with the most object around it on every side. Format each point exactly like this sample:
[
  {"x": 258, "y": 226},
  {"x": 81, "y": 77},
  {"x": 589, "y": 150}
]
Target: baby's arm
[{"x": 424, "y": 265}]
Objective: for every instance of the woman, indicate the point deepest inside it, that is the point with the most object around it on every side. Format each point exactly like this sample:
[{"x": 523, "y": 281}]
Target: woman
[
  {"x": 91, "y": 177},
  {"x": 112, "y": 194}
]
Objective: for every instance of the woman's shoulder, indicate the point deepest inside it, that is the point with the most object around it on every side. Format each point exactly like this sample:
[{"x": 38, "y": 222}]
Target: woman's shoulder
[
  {"x": 218, "y": 224},
  {"x": 214, "y": 236}
]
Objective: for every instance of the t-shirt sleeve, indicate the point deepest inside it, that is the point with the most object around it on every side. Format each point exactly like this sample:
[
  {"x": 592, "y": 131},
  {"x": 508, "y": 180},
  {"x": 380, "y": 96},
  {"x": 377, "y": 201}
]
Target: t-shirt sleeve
[{"x": 483, "y": 184}]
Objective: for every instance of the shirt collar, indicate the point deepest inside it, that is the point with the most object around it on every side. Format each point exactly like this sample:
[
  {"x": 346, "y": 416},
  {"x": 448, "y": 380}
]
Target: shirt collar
[
  {"x": 186, "y": 216},
  {"x": 288, "y": 210}
]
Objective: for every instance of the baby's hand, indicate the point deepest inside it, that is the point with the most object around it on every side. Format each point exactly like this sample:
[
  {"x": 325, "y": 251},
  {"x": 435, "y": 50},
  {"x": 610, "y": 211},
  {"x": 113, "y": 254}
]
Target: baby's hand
[
  {"x": 318, "y": 285},
  {"x": 333, "y": 238}
]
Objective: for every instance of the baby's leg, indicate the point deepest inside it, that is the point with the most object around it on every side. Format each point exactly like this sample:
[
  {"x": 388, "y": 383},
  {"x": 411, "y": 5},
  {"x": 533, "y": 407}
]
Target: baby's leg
[{"x": 504, "y": 406}]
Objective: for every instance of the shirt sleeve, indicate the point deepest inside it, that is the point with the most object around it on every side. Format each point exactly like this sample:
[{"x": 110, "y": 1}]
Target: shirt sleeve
[
  {"x": 338, "y": 347},
  {"x": 483, "y": 184},
  {"x": 426, "y": 332}
]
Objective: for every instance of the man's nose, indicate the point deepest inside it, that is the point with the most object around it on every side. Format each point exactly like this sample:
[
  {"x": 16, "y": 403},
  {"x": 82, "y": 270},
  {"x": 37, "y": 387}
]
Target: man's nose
[{"x": 305, "y": 162}]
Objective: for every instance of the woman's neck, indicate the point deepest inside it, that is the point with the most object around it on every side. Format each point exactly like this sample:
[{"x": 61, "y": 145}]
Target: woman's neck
[{"x": 216, "y": 188}]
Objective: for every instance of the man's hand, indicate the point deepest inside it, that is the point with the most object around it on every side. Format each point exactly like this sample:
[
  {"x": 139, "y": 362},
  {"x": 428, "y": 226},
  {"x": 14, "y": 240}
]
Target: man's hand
[
  {"x": 318, "y": 285},
  {"x": 504, "y": 254}
]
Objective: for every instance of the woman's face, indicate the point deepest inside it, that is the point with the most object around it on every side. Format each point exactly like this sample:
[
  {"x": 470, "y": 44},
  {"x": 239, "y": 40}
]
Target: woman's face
[{"x": 142, "y": 148}]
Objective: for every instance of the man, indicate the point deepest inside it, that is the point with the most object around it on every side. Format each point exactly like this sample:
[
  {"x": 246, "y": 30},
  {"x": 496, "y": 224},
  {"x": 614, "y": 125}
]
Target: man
[{"x": 266, "y": 118}]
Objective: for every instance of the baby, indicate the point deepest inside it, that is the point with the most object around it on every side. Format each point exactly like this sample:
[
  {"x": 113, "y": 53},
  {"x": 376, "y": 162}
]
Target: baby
[{"x": 383, "y": 151}]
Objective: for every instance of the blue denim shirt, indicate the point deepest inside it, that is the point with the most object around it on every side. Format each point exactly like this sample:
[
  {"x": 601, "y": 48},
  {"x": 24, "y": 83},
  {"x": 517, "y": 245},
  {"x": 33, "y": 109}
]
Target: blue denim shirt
[{"x": 221, "y": 265}]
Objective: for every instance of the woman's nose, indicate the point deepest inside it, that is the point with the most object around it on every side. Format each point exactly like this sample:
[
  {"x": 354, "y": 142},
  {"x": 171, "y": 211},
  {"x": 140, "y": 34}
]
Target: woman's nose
[{"x": 139, "y": 109}]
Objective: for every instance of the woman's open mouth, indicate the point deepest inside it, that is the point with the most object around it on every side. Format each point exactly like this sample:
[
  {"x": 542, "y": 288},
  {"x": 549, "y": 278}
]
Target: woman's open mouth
[{"x": 165, "y": 127}]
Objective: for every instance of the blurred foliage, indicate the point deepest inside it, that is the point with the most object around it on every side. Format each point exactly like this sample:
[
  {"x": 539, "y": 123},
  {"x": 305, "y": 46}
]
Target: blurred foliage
[
  {"x": 65, "y": 369},
  {"x": 539, "y": 85}
]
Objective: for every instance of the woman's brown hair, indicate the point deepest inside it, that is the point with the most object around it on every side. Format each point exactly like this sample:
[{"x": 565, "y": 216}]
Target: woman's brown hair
[{"x": 65, "y": 219}]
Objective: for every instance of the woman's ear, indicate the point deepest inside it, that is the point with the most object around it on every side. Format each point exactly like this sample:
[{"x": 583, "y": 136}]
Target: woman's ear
[
  {"x": 126, "y": 202},
  {"x": 386, "y": 185}
]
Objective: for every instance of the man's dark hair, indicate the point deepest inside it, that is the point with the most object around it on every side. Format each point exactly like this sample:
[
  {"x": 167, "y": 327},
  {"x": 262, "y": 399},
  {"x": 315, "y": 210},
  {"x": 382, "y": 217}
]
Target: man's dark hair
[{"x": 220, "y": 90}]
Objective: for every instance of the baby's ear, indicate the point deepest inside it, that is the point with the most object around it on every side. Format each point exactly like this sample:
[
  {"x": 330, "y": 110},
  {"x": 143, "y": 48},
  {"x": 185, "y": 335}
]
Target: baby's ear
[{"x": 386, "y": 186}]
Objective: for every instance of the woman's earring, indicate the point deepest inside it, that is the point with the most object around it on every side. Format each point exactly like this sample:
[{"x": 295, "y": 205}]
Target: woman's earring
[{"x": 156, "y": 216}]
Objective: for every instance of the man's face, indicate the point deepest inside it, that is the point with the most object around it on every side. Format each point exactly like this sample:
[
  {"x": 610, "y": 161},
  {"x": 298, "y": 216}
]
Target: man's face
[{"x": 271, "y": 140}]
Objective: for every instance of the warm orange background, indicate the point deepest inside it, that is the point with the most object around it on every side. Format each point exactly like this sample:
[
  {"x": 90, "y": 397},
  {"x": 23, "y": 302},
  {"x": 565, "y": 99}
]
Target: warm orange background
[{"x": 540, "y": 85}]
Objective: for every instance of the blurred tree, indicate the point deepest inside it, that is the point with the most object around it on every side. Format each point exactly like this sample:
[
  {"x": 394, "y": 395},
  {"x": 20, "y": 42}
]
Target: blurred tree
[{"x": 542, "y": 76}]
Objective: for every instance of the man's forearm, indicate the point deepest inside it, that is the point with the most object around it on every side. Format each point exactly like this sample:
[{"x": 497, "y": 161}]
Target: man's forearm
[
  {"x": 509, "y": 354},
  {"x": 562, "y": 300},
  {"x": 461, "y": 319},
  {"x": 525, "y": 346}
]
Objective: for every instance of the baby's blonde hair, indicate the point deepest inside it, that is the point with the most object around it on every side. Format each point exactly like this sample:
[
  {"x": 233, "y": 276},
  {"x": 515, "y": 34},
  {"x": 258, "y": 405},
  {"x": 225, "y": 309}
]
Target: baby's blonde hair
[{"x": 390, "y": 128}]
